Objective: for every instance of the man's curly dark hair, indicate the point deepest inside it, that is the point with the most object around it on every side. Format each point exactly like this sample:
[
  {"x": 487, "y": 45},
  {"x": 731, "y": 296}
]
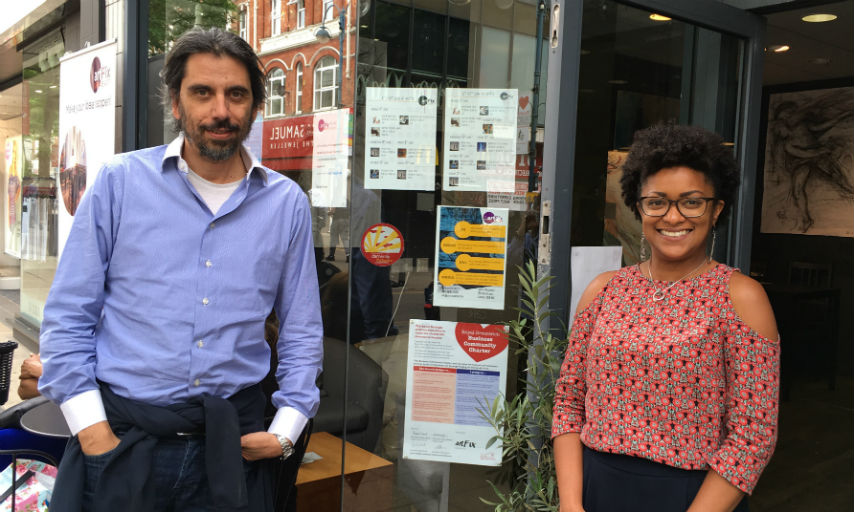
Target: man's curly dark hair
[{"x": 669, "y": 145}]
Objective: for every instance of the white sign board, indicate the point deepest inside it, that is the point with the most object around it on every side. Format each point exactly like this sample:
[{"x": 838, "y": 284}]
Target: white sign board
[
  {"x": 87, "y": 125},
  {"x": 400, "y": 138},
  {"x": 480, "y": 140}
]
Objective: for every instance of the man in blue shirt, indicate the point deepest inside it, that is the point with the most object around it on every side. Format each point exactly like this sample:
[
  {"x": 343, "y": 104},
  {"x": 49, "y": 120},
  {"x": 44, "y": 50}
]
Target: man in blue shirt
[{"x": 153, "y": 333}]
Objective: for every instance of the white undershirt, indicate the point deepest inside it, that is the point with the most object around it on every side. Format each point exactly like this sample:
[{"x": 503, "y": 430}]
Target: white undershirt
[{"x": 213, "y": 194}]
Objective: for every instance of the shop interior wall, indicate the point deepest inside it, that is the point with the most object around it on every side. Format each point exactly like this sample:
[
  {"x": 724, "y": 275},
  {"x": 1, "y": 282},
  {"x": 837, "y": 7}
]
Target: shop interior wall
[{"x": 773, "y": 253}]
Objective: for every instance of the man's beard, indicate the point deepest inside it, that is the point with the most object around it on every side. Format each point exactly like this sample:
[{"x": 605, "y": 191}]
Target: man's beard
[{"x": 214, "y": 151}]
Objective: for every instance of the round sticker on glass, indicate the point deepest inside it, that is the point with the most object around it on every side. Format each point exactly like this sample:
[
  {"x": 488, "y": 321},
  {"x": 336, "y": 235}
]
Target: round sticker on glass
[{"x": 382, "y": 244}]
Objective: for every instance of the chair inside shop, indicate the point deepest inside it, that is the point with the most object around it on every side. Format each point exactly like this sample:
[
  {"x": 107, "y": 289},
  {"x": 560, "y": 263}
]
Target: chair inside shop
[{"x": 809, "y": 326}]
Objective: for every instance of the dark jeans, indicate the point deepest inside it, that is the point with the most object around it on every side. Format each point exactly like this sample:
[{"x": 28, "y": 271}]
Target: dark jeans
[{"x": 180, "y": 477}]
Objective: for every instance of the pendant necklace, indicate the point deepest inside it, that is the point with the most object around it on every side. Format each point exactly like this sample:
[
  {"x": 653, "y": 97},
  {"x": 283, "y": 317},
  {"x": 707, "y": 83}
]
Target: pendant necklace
[{"x": 660, "y": 293}]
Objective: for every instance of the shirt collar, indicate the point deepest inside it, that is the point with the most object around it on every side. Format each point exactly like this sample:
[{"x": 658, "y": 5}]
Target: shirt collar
[{"x": 173, "y": 150}]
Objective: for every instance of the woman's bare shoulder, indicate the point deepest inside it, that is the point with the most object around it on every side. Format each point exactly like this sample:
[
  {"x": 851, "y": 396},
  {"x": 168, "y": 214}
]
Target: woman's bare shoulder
[
  {"x": 593, "y": 289},
  {"x": 752, "y": 305}
]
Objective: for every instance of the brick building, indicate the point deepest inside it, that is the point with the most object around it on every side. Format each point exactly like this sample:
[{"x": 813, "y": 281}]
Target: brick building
[{"x": 301, "y": 69}]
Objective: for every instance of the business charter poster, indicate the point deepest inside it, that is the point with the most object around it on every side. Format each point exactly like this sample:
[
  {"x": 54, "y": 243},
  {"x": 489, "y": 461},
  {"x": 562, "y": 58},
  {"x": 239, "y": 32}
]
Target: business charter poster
[
  {"x": 480, "y": 140},
  {"x": 400, "y": 140},
  {"x": 87, "y": 125},
  {"x": 471, "y": 248},
  {"x": 453, "y": 372}
]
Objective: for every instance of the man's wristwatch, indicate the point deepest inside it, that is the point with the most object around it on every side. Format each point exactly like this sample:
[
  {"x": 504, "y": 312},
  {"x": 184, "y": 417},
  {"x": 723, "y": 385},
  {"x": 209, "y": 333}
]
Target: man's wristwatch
[{"x": 287, "y": 447}]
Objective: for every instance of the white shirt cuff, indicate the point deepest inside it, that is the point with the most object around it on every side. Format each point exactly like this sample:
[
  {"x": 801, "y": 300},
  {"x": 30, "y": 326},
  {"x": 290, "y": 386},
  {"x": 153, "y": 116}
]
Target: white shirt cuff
[
  {"x": 83, "y": 410},
  {"x": 288, "y": 422}
]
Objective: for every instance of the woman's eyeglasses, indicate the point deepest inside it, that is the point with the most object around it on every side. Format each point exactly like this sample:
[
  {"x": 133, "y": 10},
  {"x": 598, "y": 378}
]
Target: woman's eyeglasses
[{"x": 689, "y": 207}]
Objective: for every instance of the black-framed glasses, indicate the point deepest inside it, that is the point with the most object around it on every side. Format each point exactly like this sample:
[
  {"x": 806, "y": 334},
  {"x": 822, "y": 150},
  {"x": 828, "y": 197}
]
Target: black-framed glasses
[{"x": 689, "y": 207}]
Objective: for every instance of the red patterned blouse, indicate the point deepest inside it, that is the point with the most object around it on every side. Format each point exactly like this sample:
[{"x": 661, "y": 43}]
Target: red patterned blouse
[{"x": 682, "y": 381}]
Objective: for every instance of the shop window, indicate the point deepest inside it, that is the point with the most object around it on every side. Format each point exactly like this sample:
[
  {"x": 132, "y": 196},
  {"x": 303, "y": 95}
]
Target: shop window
[
  {"x": 275, "y": 93},
  {"x": 298, "y": 106},
  {"x": 325, "y": 85},
  {"x": 276, "y": 17}
]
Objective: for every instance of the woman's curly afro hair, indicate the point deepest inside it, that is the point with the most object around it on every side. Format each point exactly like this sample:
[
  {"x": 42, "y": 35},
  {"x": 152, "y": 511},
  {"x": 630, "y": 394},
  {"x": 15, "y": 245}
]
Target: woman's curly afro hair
[{"x": 668, "y": 145}]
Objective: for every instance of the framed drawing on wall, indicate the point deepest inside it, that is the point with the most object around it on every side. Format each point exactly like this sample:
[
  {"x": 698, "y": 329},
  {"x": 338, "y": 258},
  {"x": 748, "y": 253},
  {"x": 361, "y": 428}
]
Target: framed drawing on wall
[{"x": 809, "y": 163}]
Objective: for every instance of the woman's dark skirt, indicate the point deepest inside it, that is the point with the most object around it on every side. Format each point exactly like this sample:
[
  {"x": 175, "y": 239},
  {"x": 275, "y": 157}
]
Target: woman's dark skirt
[{"x": 616, "y": 483}]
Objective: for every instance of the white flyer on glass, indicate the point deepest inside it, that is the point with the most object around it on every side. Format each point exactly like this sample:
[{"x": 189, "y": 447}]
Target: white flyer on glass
[
  {"x": 330, "y": 158},
  {"x": 453, "y": 372},
  {"x": 400, "y": 138},
  {"x": 87, "y": 125},
  {"x": 471, "y": 263},
  {"x": 480, "y": 140}
]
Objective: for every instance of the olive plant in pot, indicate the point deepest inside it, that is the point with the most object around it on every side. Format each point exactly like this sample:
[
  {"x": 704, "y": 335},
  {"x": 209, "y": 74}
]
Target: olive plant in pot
[{"x": 526, "y": 480}]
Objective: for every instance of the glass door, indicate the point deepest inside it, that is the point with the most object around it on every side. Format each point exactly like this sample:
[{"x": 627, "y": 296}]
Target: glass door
[
  {"x": 639, "y": 68},
  {"x": 440, "y": 219}
]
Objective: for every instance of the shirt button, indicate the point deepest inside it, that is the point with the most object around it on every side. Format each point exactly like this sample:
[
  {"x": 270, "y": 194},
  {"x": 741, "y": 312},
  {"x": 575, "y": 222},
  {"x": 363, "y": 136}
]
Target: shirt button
[
  {"x": 196, "y": 382},
  {"x": 208, "y": 263},
  {"x": 213, "y": 224},
  {"x": 205, "y": 301},
  {"x": 200, "y": 343}
]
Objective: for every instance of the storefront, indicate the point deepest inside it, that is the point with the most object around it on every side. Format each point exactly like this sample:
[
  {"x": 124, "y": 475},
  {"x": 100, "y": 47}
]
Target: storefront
[{"x": 443, "y": 144}]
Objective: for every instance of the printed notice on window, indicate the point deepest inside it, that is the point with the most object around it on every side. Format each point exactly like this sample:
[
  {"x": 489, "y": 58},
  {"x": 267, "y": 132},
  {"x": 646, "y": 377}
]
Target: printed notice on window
[
  {"x": 400, "y": 138},
  {"x": 480, "y": 140},
  {"x": 471, "y": 244},
  {"x": 454, "y": 371},
  {"x": 330, "y": 158}
]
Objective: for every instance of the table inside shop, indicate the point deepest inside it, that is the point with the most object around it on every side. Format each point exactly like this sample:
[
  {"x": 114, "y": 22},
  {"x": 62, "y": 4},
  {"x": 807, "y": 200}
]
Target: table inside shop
[{"x": 368, "y": 478}]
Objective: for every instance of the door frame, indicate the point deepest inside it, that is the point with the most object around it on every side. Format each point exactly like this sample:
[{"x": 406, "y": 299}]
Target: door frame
[{"x": 564, "y": 45}]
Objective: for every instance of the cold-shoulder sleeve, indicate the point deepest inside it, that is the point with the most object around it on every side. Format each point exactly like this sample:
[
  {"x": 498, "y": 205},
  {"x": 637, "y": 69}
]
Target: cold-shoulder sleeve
[
  {"x": 752, "y": 404},
  {"x": 571, "y": 387}
]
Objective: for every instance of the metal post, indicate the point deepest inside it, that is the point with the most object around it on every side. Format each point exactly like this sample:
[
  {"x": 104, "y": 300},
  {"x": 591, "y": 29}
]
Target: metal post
[{"x": 535, "y": 105}]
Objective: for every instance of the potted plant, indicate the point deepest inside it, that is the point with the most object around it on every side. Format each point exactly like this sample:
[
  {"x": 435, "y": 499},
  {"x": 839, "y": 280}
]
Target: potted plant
[{"x": 526, "y": 479}]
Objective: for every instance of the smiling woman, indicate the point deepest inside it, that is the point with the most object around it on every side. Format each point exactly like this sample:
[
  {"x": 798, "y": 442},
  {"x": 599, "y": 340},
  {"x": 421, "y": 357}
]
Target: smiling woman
[{"x": 677, "y": 385}]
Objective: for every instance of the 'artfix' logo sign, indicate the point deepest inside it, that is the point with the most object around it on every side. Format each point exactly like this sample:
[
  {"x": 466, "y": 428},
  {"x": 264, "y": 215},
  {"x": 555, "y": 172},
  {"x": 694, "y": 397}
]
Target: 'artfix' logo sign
[{"x": 98, "y": 75}]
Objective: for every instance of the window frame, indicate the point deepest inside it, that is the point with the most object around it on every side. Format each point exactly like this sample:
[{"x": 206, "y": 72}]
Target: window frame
[
  {"x": 242, "y": 23},
  {"x": 275, "y": 17},
  {"x": 324, "y": 66},
  {"x": 276, "y": 75},
  {"x": 299, "y": 85},
  {"x": 325, "y": 9},
  {"x": 300, "y": 13}
]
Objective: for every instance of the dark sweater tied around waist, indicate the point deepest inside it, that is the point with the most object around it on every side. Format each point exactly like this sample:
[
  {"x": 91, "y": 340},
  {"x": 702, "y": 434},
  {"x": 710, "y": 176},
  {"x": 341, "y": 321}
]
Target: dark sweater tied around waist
[{"x": 126, "y": 483}]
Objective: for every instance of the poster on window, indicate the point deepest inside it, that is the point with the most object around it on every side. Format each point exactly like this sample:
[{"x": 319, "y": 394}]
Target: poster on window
[
  {"x": 480, "y": 140},
  {"x": 471, "y": 248},
  {"x": 400, "y": 138},
  {"x": 87, "y": 125},
  {"x": 453, "y": 372},
  {"x": 13, "y": 167},
  {"x": 330, "y": 158}
]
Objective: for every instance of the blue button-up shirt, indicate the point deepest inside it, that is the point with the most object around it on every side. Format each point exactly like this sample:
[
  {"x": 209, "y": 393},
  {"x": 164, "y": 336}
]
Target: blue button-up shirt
[{"x": 164, "y": 301}]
